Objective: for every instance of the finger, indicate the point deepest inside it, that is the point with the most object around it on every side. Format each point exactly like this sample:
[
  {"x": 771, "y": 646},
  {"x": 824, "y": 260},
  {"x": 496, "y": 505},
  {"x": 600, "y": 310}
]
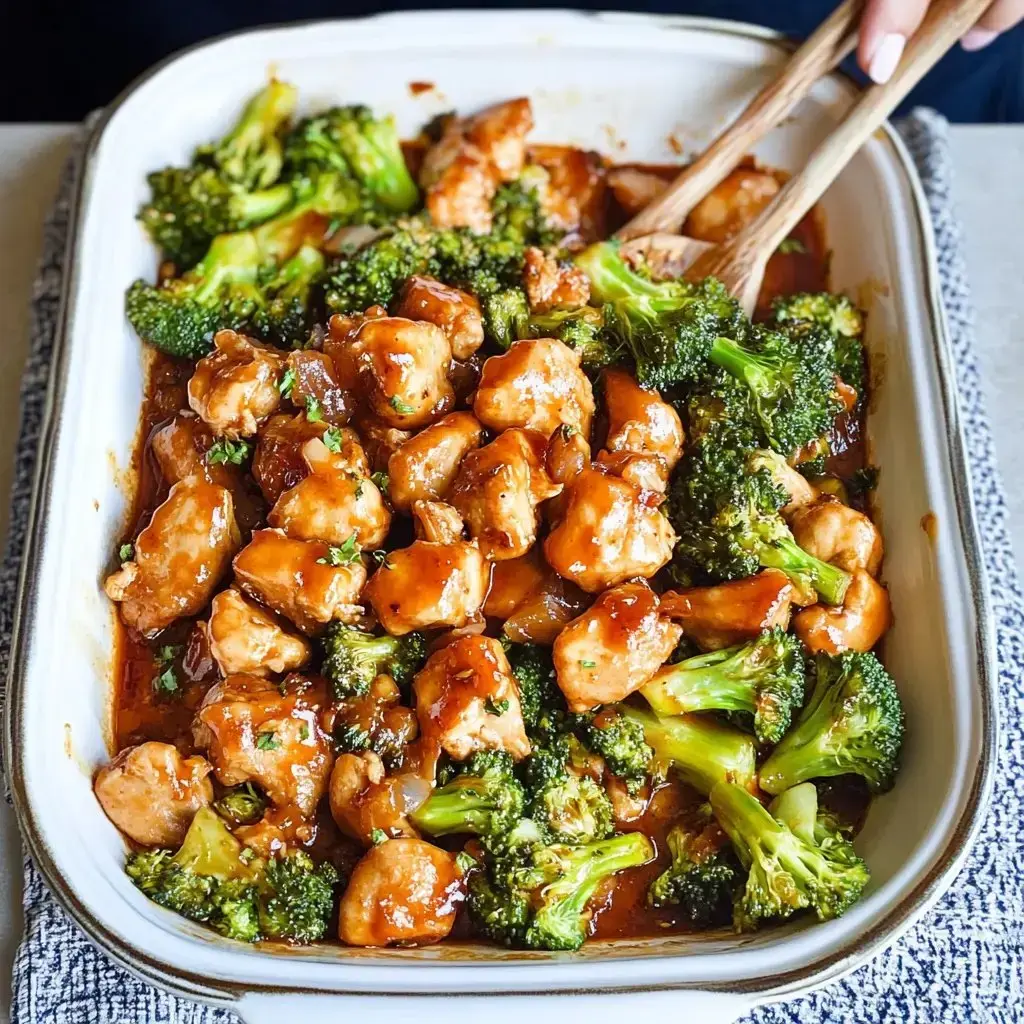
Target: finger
[
  {"x": 884, "y": 31},
  {"x": 1002, "y": 15}
]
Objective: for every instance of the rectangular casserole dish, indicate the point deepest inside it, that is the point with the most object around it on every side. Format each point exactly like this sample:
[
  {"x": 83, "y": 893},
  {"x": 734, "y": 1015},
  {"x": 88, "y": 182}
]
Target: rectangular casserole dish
[{"x": 633, "y": 87}]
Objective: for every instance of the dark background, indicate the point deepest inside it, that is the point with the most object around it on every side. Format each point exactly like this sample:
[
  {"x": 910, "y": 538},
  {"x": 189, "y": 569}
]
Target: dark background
[{"x": 63, "y": 60}]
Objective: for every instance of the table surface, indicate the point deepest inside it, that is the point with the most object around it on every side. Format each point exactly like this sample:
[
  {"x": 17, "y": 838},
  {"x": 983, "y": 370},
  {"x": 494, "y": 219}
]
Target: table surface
[{"x": 988, "y": 161}]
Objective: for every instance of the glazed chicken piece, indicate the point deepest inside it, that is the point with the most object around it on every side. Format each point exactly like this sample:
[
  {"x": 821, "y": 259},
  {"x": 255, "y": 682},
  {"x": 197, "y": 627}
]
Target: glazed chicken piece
[
  {"x": 647, "y": 472},
  {"x": 731, "y": 613},
  {"x": 553, "y": 284},
  {"x": 461, "y": 173},
  {"x": 731, "y": 205},
  {"x": 468, "y": 700},
  {"x": 380, "y": 441},
  {"x": 429, "y": 585},
  {"x": 337, "y": 344},
  {"x": 404, "y": 891},
  {"x": 537, "y": 384},
  {"x": 836, "y": 533},
  {"x": 856, "y": 625},
  {"x": 246, "y": 638},
  {"x": 180, "y": 447},
  {"x": 365, "y": 800},
  {"x": 640, "y": 422},
  {"x": 151, "y": 793},
  {"x": 635, "y": 187},
  {"x": 296, "y": 579},
  {"x": 316, "y": 385},
  {"x": 179, "y": 558},
  {"x": 334, "y": 502},
  {"x": 437, "y": 521},
  {"x": 235, "y": 388},
  {"x": 277, "y": 462},
  {"x": 424, "y": 467},
  {"x": 269, "y": 734},
  {"x": 610, "y": 531},
  {"x": 457, "y": 313},
  {"x": 499, "y": 490},
  {"x": 403, "y": 370},
  {"x": 573, "y": 196},
  {"x": 614, "y": 647},
  {"x": 567, "y": 456},
  {"x": 532, "y": 601}
]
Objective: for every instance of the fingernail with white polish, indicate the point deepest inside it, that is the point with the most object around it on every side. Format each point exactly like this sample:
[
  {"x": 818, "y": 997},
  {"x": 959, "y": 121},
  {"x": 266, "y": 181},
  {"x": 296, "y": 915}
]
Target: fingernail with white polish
[
  {"x": 886, "y": 56},
  {"x": 978, "y": 39}
]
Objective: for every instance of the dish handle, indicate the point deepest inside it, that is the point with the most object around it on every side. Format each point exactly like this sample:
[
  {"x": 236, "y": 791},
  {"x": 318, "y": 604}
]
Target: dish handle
[{"x": 596, "y": 1008}]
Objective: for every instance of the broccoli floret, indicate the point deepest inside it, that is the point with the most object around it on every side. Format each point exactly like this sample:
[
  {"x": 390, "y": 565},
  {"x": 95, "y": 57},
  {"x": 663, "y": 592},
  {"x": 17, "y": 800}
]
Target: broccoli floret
[
  {"x": 792, "y": 381},
  {"x": 533, "y": 895},
  {"x": 764, "y": 678},
  {"x": 351, "y": 141},
  {"x": 622, "y": 744},
  {"x": 785, "y": 873},
  {"x": 852, "y": 724},
  {"x": 701, "y": 879},
  {"x": 583, "y": 331},
  {"x": 701, "y": 750},
  {"x": 251, "y": 155},
  {"x": 241, "y": 805},
  {"x": 208, "y": 879},
  {"x": 517, "y": 213},
  {"x": 354, "y": 658},
  {"x": 289, "y": 310},
  {"x": 506, "y": 315},
  {"x": 667, "y": 327},
  {"x": 296, "y": 898},
  {"x": 728, "y": 520},
  {"x": 484, "y": 798}
]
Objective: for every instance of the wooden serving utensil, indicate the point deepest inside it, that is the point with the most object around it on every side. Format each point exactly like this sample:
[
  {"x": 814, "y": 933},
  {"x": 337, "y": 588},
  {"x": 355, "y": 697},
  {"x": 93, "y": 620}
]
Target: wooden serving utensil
[
  {"x": 831, "y": 43},
  {"x": 740, "y": 262}
]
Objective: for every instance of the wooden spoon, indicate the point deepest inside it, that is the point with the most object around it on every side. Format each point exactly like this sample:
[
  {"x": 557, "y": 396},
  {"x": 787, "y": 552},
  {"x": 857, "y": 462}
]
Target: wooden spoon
[
  {"x": 831, "y": 43},
  {"x": 740, "y": 262}
]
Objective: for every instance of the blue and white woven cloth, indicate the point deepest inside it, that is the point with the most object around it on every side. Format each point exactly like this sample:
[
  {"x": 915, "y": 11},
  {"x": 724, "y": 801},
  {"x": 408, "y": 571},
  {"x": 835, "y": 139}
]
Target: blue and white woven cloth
[{"x": 963, "y": 963}]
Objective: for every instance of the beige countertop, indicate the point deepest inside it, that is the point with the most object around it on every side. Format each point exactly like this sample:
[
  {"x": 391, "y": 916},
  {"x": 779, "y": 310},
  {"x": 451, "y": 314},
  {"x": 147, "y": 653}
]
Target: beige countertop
[{"x": 991, "y": 207}]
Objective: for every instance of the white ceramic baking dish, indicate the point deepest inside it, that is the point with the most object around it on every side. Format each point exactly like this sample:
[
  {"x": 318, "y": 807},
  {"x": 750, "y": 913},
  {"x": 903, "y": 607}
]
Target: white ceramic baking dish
[{"x": 635, "y": 86}]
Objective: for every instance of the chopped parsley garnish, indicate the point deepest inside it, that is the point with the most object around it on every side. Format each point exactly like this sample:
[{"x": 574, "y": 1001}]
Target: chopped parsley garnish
[
  {"x": 381, "y": 558},
  {"x": 588, "y": 664},
  {"x": 167, "y": 681},
  {"x": 347, "y": 554},
  {"x": 314, "y": 411},
  {"x": 382, "y": 480},
  {"x": 225, "y": 451},
  {"x": 791, "y": 245},
  {"x": 378, "y": 836},
  {"x": 403, "y": 408},
  {"x": 126, "y": 552},
  {"x": 496, "y": 707},
  {"x": 286, "y": 383},
  {"x": 332, "y": 439},
  {"x": 267, "y": 741},
  {"x": 304, "y": 733}
]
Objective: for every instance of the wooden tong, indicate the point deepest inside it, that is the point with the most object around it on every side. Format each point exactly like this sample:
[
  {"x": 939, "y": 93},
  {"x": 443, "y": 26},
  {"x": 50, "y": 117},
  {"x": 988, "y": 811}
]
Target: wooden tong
[{"x": 740, "y": 262}]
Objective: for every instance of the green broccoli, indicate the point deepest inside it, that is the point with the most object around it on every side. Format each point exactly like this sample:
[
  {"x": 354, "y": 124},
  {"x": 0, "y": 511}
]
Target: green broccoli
[
  {"x": 353, "y": 142},
  {"x": 667, "y": 327},
  {"x": 583, "y": 331},
  {"x": 353, "y": 658},
  {"x": 296, "y": 898},
  {"x": 484, "y": 798},
  {"x": 852, "y": 724},
  {"x": 289, "y": 309},
  {"x": 531, "y": 895},
  {"x": 541, "y": 701},
  {"x": 764, "y": 678},
  {"x": 701, "y": 879},
  {"x": 505, "y": 314},
  {"x": 517, "y": 213},
  {"x": 620, "y": 742},
  {"x": 701, "y": 750},
  {"x": 241, "y": 805},
  {"x": 785, "y": 872}
]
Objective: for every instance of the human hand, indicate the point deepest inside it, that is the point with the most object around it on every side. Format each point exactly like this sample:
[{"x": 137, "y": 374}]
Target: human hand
[{"x": 888, "y": 24}]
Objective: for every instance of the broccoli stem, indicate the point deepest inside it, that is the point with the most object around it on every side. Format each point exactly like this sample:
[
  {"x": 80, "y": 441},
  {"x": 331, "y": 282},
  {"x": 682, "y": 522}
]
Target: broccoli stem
[
  {"x": 231, "y": 259},
  {"x": 758, "y": 374},
  {"x": 702, "y": 683},
  {"x": 238, "y": 153},
  {"x": 464, "y": 805},
  {"x": 611, "y": 278},
  {"x": 804, "y": 569},
  {"x": 375, "y": 152},
  {"x": 256, "y": 207}
]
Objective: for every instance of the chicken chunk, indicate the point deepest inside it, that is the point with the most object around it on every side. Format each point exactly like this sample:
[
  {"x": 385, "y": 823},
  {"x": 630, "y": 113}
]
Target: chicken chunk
[
  {"x": 614, "y": 647},
  {"x": 296, "y": 579},
  {"x": 234, "y": 389},
  {"x": 468, "y": 700},
  {"x": 573, "y": 196},
  {"x": 553, "y": 284},
  {"x": 269, "y": 734},
  {"x": 277, "y": 463},
  {"x": 731, "y": 613},
  {"x": 425, "y": 467},
  {"x": 537, "y": 384},
  {"x": 640, "y": 422},
  {"x": 457, "y": 313},
  {"x": 499, "y": 490},
  {"x": 365, "y": 800},
  {"x": 333, "y": 503},
  {"x": 500, "y": 134},
  {"x": 179, "y": 558},
  {"x": 532, "y": 601},
  {"x": 244, "y": 637},
  {"x": 151, "y": 793},
  {"x": 636, "y": 187},
  {"x": 648, "y": 472},
  {"x": 403, "y": 892},
  {"x": 429, "y": 585},
  {"x": 731, "y": 205},
  {"x": 315, "y": 384},
  {"x": 567, "y": 456},
  {"x": 180, "y": 447},
  {"x": 610, "y": 531},
  {"x": 836, "y": 533},
  {"x": 403, "y": 366},
  {"x": 856, "y": 625},
  {"x": 438, "y": 522}
]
